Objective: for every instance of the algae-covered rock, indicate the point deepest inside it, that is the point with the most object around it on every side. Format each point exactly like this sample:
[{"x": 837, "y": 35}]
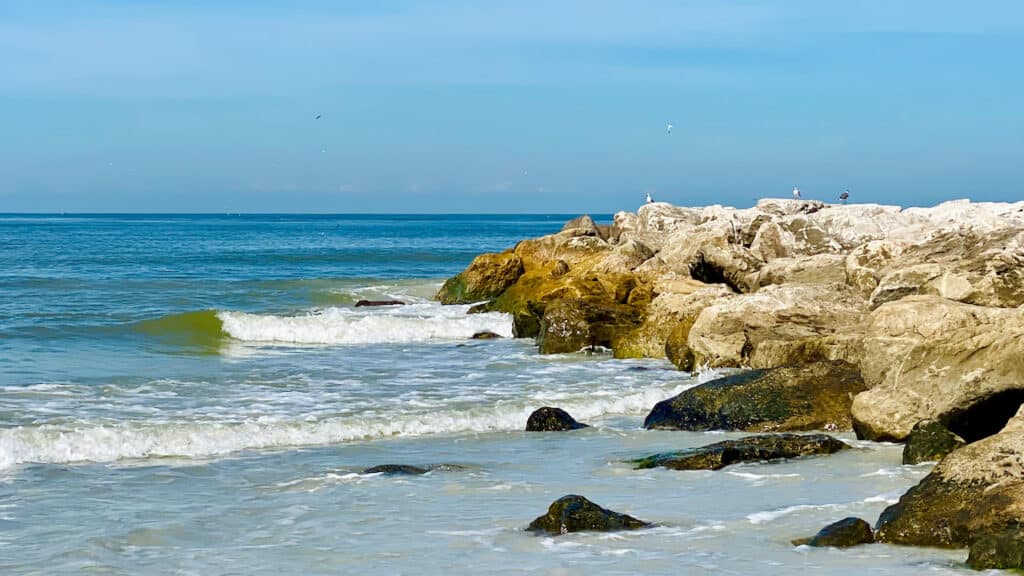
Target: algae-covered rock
[
  {"x": 975, "y": 491},
  {"x": 485, "y": 335},
  {"x": 486, "y": 277},
  {"x": 396, "y": 470},
  {"x": 750, "y": 449},
  {"x": 929, "y": 441},
  {"x": 814, "y": 396},
  {"x": 665, "y": 318},
  {"x": 1004, "y": 550},
  {"x": 574, "y": 513},
  {"x": 548, "y": 419},
  {"x": 847, "y": 532},
  {"x": 569, "y": 325}
]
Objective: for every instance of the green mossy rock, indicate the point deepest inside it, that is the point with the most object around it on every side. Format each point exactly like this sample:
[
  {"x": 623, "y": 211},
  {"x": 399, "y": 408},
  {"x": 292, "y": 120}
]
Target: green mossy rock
[
  {"x": 485, "y": 278},
  {"x": 750, "y": 449},
  {"x": 1004, "y": 550},
  {"x": 570, "y": 325},
  {"x": 815, "y": 396},
  {"x": 574, "y": 513},
  {"x": 929, "y": 441}
]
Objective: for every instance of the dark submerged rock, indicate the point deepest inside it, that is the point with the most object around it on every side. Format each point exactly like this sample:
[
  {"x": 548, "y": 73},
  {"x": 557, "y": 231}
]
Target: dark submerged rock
[
  {"x": 396, "y": 470},
  {"x": 929, "y": 441},
  {"x": 548, "y": 419},
  {"x": 367, "y": 303},
  {"x": 1004, "y": 550},
  {"x": 842, "y": 534},
  {"x": 574, "y": 513},
  {"x": 485, "y": 335},
  {"x": 815, "y": 396},
  {"x": 750, "y": 449}
]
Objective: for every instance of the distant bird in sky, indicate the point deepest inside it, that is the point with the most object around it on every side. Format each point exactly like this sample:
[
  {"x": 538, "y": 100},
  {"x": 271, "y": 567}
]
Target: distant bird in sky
[
  {"x": 649, "y": 199},
  {"x": 796, "y": 192},
  {"x": 317, "y": 116},
  {"x": 844, "y": 196},
  {"x": 668, "y": 128}
]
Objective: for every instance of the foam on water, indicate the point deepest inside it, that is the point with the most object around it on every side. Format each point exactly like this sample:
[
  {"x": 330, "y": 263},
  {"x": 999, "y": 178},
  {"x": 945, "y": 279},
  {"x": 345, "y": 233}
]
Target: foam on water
[
  {"x": 399, "y": 324},
  {"x": 92, "y": 442}
]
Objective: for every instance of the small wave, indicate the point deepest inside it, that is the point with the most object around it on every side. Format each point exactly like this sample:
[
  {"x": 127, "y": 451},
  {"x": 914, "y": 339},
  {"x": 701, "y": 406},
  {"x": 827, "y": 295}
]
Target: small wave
[
  {"x": 210, "y": 330},
  {"x": 772, "y": 515},
  {"x": 415, "y": 323}
]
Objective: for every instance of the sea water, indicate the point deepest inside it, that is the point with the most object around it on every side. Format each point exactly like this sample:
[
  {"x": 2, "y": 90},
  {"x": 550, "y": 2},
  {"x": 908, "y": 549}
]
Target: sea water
[{"x": 199, "y": 395}]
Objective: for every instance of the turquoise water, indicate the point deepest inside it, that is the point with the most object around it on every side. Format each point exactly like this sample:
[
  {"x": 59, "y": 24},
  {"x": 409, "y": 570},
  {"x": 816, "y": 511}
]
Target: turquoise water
[{"x": 198, "y": 395}]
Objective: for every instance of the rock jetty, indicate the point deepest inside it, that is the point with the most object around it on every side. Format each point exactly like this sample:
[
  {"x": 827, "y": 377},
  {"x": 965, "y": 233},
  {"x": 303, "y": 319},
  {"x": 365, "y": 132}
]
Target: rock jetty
[{"x": 897, "y": 323}]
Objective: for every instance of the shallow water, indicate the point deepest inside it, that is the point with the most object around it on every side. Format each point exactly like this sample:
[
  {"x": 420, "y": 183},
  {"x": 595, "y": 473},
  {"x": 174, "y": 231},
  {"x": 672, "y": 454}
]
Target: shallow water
[{"x": 186, "y": 395}]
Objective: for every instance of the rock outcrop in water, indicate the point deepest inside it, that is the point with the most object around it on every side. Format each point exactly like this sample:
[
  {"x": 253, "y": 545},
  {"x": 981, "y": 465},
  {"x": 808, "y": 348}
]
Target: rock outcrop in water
[
  {"x": 750, "y": 449},
  {"x": 814, "y": 396},
  {"x": 574, "y": 513},
  {"x": 975, "y": 491},
  {"x": 548, "y": 419},
  {"x": 842, "y": 534},
  {"x": 929, "y": 441}
]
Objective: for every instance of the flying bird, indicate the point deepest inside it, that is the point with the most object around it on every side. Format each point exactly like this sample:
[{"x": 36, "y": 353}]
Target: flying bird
[
  {"x": 796, "y": 192},
  {"x": 317, "y": 116},
  {"x": 844, "y": 196},
  {"x": 668, "y": 128}
]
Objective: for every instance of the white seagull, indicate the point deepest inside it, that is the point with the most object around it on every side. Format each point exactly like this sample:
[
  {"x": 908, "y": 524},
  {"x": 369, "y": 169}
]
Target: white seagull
[
  {"x": 649, "y": 199},
  {"x": 668, "y": 128},
  {"x": 796, "y": 192}
]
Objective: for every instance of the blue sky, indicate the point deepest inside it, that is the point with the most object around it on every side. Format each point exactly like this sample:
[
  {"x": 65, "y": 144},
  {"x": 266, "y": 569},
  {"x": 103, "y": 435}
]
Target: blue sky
[{"x": 528, "y": 106}]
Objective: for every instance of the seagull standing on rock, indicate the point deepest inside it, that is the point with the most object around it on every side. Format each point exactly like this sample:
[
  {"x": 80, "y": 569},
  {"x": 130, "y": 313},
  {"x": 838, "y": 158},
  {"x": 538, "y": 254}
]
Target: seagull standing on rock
[
  {"x": 796, "y": 193},
  {"x": 844, "y": 196},
  {"x": 649, "y": 199}
]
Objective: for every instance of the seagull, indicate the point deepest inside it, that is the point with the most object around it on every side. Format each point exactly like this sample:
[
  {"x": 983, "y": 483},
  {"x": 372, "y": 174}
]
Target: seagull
[
  {"x": 649, "y": 199},
  {"x": 668, "y": 128},
  {"x": 844, "y": 196},
  {"x": 317, "y": 116},
  {"x": 796, "y": 192}
]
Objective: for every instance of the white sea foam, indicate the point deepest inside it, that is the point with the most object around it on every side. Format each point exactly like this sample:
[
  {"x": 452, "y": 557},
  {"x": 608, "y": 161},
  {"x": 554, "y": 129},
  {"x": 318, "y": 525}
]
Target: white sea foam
[
  {"x": 413, "y": 323},
  {"x": 772, "y": 515},
  {"x": 92, "y": 442}
]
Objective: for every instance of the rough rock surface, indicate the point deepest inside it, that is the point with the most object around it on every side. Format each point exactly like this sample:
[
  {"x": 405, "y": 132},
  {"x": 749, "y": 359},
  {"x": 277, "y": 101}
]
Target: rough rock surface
[
  {"x": 572, "y": 324},
  {"x": 779, "y": 326},
  {"x": 842, "y": 534},
  {"x": 486, "y": 277},
  {"x": 548, "y": 419},
  {"x": 574, "y": 513},
  {"x": 1004, "y": 550},
  {"x": 975, "y": 491},
  {"x": 815, "y": 396},
  {"x": 750, "y": 449},
  {"x": 485, "y": 335},
  {"x": 927, "y": 357},
  {"x": 929, "y": 441}
]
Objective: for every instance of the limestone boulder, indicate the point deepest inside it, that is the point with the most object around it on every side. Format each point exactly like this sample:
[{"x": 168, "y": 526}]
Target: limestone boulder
[
  {"x": 668, "y": 313},
  {"x": 974, "y": 492},
  {"x": 814, "y": 396},
  {"x": 486, "y": 277},
  {"x": 926, "y": 357},
  {"x": 780, "y": 325},
  {"x": 751, "y": 449},
  {"x": 826, "y": 269}
]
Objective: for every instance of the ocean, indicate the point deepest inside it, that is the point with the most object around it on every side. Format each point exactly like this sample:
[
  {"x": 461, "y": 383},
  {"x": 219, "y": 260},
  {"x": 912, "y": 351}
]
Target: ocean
[{"x": 198, "y": 394}]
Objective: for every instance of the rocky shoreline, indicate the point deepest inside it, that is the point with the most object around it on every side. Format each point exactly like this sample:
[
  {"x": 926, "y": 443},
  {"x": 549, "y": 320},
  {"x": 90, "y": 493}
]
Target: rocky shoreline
[{"x": 864, "y": 317}]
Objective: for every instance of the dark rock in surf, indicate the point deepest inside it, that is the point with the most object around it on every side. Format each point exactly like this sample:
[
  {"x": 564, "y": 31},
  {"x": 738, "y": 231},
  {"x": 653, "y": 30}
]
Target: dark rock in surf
[
  {"x": 369, "y": 303},
  {"x": 485, "y": 335},
  {"x": 843, "y": 534},
  {"x": 750, "y": 449},
  {"x": 815, "y": 396},
  {"x": 396, "y": 470},
  {"x": 572, "y": 324},
  {"x": 929, "y": 441},
  {"x": 575, "y": 514},
  {"x": 548, "y": 419}
]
